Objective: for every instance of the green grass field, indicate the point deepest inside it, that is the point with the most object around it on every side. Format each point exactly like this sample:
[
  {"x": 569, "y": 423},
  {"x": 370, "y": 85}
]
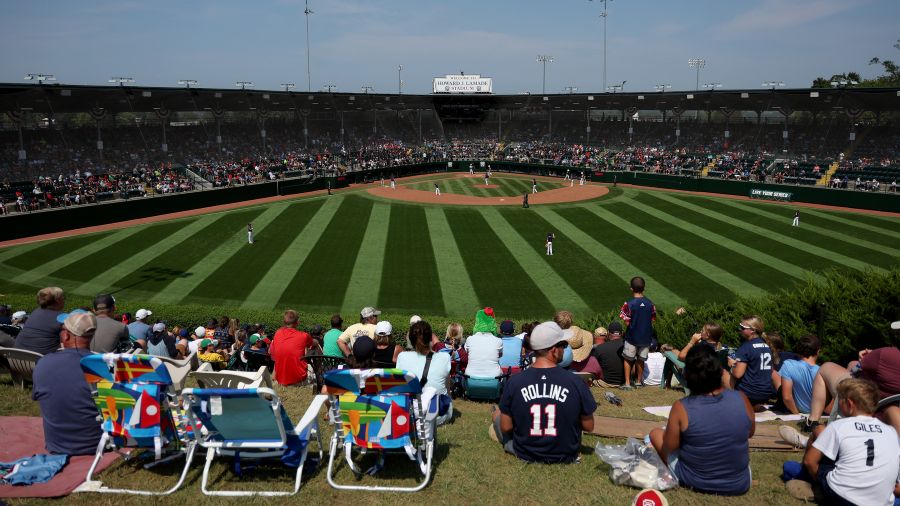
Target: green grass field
[{"x": 352, "y": 249}]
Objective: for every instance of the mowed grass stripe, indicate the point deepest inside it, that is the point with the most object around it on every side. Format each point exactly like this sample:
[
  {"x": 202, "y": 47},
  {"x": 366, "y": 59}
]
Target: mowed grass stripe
[
  {"x": 20, "y": 249},
  {"x": 323, "y": 278},
  {"x": 589, "y": 279},
  {"x": 752, "y": 276},
  {"x": 821, "y": 226},
  {"x": 846, "y": 253},
  {"x": 875, "y": 220},
  {"x": 537, "y": 264},
  {"x": 685, "y": 281},
  {"x": 234, "y": 278},
  {"x": 457, "y": 291},
  {"x": 409, "y": 277},
  {"x": 498, "y": 278},
  {"x": 300, "y": 240},
  {"x": 49, "y": 251},
  {"x": 219, "y": 256},
  {"x": 114, "y": 272},
  {"x": 156, "y": 275},
  {"x": 619, "y": 266},
  {"x": 86, "y": 254},
  {"x": 638, "y": 226},
  {"x": 366, "y": 276},
  {"x": 761, "y": 239},
  {"x": 845, "y": 222},
  {"x": 720, "y": 234},
  {"x": 126, "y": 245}
]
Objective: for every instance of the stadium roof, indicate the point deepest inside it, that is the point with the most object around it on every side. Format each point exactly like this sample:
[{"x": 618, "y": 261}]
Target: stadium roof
[{"x": 61, "y": 98}]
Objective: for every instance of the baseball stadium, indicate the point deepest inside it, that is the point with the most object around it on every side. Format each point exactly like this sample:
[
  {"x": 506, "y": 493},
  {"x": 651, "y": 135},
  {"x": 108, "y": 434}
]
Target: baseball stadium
[{"x": 271, "y": 277}]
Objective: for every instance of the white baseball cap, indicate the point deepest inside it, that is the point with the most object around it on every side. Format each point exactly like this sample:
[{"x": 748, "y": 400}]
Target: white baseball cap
[
  {"x": 142, "y": 313},
  {"x": 384, "y": 328},
  {"x": 415, "y": 319},
  {"x": 19, "y": 315},
  {"x": 894, "y": 325},
  {"x": 369, "y": 311},
  {"x": 200, "y": 332},
  {"x": 546, "y": 335}
]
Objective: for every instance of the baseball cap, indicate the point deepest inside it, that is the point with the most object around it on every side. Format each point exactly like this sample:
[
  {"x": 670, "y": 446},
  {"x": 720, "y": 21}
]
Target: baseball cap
[
  {"x": 615, "y": 327},
  {"x": 184, "y": 333},
  {"x": 384, "y": 328},
  {"x": 415, "y": 319},
  {"x": 19, "y": 315},
  {"x": 546, "y": 335},
  {"x": 316, "y": 329},
  {"x": 142, "y": 313},
  {"x": 81, "y": 323},
  {"x": 104, "y": 301},
  {"x": 363, "y": 348},
  {"x": 894, "y": 325},
  {"x": 507, "y": 327},
  {"x": 159, "y": 327},
  {"x": 206, "y": 342},
  {"x": 254, "y": 338},
  {"x": 200, "y": 331},
  {"x": 369, "y": 311},
  {"x": 61, "y": 317}
]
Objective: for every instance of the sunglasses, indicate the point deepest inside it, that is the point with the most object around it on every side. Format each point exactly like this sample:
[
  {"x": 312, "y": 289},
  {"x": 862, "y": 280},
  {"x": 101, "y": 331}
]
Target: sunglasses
[{"x": 741, "y": 326}]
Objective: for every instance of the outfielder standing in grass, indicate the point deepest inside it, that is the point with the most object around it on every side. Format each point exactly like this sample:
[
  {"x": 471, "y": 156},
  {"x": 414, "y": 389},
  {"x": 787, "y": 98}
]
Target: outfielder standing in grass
[
  {"x": 533, "y": 185},
  {"x": 437, "y": 189},
  {"x": 550, "y": 237},
  {"x": 250, "y": 233},
  {"x": 796, "y": 222}
]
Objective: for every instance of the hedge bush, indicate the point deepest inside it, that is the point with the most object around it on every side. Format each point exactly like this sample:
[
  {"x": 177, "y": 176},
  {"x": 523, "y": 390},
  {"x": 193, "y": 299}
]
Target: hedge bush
[{"x": 858, "y": 308}]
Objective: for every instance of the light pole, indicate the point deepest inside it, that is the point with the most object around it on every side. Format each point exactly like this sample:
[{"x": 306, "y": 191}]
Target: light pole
[
  {"x": 329, "y": 87},
  {"x": 399, "y": 80},
  {"x": 616, "y": 87},
  {"x": 120, "y": 80},
  {"x": 244, "y": 84},
  {"x": 288, "y": 86},
  {"x": 570, "y": 89},
  {"x": 604, "y": 15},
  {"x": 188, "y": 82},
  {"x": 366, "y": 89},
  {"x": 773, "y": 84},
  {"x": 712, "y": 86},
  {"x": 544, "y": 59},
  {"x": 40, "y": 78},
  {"x": 663, "y": 87},
  {"x": 697, "y": 63},
  {"x": 307, "y": 12}
]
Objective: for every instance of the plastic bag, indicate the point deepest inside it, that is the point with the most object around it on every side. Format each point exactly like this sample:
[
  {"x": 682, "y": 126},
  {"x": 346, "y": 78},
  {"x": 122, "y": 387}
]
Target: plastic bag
[{"x": 636, "y": 465}]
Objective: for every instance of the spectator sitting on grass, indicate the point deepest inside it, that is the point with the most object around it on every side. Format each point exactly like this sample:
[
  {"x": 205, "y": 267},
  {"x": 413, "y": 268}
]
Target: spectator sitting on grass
[
  {"x": 710, "y": 336},
  {"x": 139, "y": 330},
  {"x": 209, "y": 354},
  {"x": 609, "y": 356},
  {"x": 9, "y": 331},
  {"x": 581, "y": 342},
  {"x": 483, "y": 347},
  {"x": 161, "y": 343},
  {"x": 706, "y": 440},
  {"x": 512, "y": 346},
  {"x": 330, "y": 346},
  {"x": 40, "y": 333},
  {"x": 438, "y": 369},
  {"x": 111, "y": 334},
  {"x": 751, "y": 369},
  {"x": 368, "y": 317},
  {"x": 455, "y": 339},
  {"x": 196, "y": 338},
  {"x": 795, "y": 379},
  {"x": 289, "y": 347}
]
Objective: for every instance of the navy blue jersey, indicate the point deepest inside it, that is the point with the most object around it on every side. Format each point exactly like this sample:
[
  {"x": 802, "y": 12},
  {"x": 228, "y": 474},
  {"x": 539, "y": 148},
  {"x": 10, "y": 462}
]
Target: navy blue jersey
[
  {"x": 549, "y": 237},
  {"x": 639, "y": 314},
  {"x": 546, "y": 406},
  {"x": 757, "y": 380}
]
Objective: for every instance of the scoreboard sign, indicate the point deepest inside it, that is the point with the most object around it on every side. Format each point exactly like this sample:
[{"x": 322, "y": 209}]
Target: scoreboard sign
[{"x": 463, "y": 84}]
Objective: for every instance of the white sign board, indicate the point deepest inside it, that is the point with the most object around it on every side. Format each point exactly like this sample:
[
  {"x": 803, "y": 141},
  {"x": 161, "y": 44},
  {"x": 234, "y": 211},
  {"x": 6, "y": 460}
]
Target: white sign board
[{"x": 463, "y": 84}]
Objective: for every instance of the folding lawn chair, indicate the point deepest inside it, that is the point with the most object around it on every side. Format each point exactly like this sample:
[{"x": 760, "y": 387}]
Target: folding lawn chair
[
  {"x": 321, "y": 364},
  {"x": 251, "y": 424},
  {"x": 484, "y": 389},
  {"x": 208, "y": 377},
  {"x": 133, "y": 394},
  {"x": 20, "y": 364},
  {"x": 179, "y": 369},
  {"x": 381, "y": 410}
]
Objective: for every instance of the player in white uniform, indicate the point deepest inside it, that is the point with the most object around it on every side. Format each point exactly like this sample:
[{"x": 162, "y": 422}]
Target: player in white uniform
[
  {"x": 550, "y": 238},
  {"x": 249, "y": 233}
]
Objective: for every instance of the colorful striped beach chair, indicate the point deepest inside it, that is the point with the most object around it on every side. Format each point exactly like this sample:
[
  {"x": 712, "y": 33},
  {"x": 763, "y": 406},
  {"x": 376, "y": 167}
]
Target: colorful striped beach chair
[{"x": 379, "y": 410}]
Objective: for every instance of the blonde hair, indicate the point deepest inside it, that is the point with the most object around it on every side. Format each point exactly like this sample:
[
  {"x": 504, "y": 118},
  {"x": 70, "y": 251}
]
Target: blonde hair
[
  {"x": 758, "y": 325},
  {"x": 50, "y": 296},
  {"x": 454, "y": 334},
  {"x": 382, "y": 339},
  {"x": 601, "y": 331},
  {"x": 862, "y": 392},
  {"x": 563, "y": 318}
]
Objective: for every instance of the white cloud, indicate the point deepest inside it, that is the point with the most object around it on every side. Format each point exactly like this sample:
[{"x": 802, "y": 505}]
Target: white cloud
[{"x": 781, "y": 14}]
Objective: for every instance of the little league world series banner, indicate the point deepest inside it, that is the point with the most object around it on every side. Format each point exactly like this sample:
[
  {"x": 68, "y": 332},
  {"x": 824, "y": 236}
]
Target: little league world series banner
[{"x": 463, "y": 84}]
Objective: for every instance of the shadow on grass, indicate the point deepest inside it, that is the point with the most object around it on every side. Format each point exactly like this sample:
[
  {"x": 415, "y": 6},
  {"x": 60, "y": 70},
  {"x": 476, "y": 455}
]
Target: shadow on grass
[{"x": 156, "y": 275}]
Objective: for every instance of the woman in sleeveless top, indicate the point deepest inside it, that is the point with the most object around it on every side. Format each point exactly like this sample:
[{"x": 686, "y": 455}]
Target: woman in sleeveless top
[{"x": 707, "y": 440}]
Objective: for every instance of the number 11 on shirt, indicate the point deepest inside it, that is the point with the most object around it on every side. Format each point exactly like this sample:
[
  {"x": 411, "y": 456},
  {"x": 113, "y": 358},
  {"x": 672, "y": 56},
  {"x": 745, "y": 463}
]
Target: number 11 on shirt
[{"x": 550, "y": 430}]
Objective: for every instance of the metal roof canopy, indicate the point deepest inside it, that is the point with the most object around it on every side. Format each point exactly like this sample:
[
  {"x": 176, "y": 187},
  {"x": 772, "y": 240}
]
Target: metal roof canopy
[{"x": 61, "y": 98}]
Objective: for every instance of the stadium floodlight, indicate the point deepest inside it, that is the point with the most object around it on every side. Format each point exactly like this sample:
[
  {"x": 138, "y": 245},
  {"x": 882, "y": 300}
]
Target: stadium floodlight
[
  {"x": 616, "y": 87},
  {"x": 244, "y": 84},
  {"x": 571, "y": 89},
  {"x": 307, "y": 12},
  {"x": 604, "y": 15},
  {"x": 773, "y": 84},
  {"x": 712, "y": 86},
  {"x": 187, "y": 83},
  {"x": 843, "y": 83},
  {"x": 544, "y": 59},
  {"x": 120, "y": 80},
  {"x": 329, "y": 87},
  {"x": 399, "y": 81},
  {"x": 288, "y": 86},
  {"x": 663, "y": 87},
  {"x": 697, "y": 63},
  {"x": 40, "y": 78},
  {"x": 366, "y": 89}
]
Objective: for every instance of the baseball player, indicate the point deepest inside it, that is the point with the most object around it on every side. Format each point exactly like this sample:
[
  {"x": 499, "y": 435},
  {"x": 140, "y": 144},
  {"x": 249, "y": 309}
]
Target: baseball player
[
  {"x": 796, "y": 222},
  {"x": 437, "y": 190},
  {"x": 486, "y": 176},
  {"x": 393, "y": 183},
  {"x": 249, "y": 233},
  {"x": 533, "y": 185},
  {"x": 550, "y": 237}
]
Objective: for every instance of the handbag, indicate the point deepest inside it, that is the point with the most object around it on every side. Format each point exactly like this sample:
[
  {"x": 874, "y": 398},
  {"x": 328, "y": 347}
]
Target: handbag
[{"x": 443, "y": 401}]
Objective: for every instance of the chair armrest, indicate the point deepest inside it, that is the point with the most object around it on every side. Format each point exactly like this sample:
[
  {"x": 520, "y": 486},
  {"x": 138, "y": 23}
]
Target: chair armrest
[
  {"x": 205, "y": 367},
  {"x": 312, "y": 414}
]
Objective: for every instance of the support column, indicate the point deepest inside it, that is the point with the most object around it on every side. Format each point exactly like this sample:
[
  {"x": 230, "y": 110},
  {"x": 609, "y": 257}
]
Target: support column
[{"x": 163, "y": 114}]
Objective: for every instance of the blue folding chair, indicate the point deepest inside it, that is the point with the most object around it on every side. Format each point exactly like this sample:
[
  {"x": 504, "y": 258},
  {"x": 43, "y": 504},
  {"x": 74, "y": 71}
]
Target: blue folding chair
[{"x": 251, "y": 424}]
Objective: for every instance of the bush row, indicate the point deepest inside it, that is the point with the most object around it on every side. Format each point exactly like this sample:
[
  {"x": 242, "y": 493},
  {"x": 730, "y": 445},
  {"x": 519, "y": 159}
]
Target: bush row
[{"x": 854, "y": 308}]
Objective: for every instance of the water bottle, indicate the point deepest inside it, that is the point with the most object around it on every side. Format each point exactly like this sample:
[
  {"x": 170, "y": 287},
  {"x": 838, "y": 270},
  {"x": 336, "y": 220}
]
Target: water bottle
[{"x": 613, "y": 399}]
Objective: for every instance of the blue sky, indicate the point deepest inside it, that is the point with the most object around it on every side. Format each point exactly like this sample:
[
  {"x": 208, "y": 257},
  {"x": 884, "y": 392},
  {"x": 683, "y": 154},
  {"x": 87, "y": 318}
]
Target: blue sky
[{"x": 361, "y": 42}]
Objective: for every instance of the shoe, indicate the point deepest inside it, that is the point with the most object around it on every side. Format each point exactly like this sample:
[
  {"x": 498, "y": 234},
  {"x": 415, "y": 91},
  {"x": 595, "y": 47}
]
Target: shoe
[
  {"x": 639, "y": 385},
  {"x": 793, "y": 436},
  {"x": 626, "y": 388},
  {"x": 802, "y": 490},
  {"x": 808, "y": 426}
]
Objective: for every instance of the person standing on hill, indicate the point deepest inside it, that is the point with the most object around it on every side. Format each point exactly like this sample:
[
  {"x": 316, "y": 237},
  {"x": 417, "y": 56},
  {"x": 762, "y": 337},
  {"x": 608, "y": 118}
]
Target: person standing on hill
[
  {"x": 639, "y": 313},
  {"x": 437, "y": 190},
  {"x": 250, "y": 233}
]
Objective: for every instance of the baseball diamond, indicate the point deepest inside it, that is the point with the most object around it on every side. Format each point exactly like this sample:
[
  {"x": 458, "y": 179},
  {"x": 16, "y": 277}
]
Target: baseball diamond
[{"x": 327, "y": 253}]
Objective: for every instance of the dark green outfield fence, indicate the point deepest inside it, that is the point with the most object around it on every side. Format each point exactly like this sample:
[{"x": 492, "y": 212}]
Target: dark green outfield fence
[{"x": 30, "y": 224}]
